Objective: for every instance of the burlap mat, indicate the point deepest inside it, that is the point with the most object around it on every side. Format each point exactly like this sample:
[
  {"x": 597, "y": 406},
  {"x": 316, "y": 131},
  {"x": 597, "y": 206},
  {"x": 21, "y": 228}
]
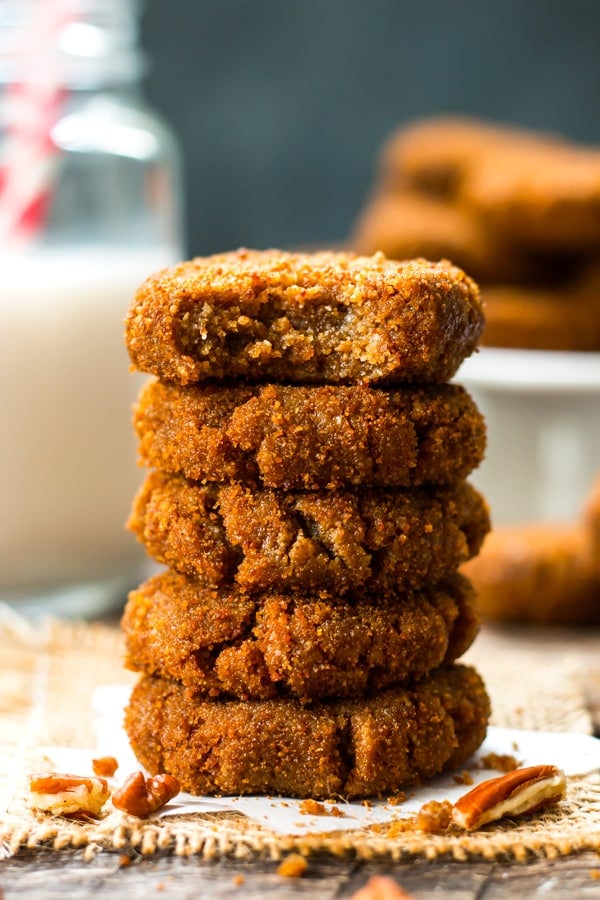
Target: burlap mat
[{"x": 47, "y": 679}]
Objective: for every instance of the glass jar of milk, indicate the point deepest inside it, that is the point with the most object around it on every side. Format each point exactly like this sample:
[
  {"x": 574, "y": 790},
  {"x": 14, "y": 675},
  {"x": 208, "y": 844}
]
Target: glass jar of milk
[{"x": 89, "y": 206}]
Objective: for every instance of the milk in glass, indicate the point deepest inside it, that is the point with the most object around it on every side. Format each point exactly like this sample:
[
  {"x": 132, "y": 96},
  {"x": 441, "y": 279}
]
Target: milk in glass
[
  {"x": 67, "y": 451},
  {"x": 89, "y": 207}
]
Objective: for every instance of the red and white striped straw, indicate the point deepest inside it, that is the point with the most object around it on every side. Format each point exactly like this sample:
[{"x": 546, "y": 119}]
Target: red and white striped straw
[{"x": 28, "y": 159}]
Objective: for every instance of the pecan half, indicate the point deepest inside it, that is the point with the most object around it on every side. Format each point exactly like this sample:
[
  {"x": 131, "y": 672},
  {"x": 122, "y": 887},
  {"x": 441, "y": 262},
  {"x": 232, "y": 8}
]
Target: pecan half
[
  {"x": 521, "y": 791},
  {"x": 141, "y": 797},
  {"x": 77, "y": 796}
]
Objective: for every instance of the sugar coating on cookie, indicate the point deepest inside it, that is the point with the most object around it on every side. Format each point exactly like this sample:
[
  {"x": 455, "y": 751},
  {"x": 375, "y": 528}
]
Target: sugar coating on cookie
[
  {"x": 226, "y": 535},
  {"x": 304, "y": 318},
  {"x": 356, "y": 748},
  {"x": 307, "y": 646},
  {"x": 311, "y": 437}
]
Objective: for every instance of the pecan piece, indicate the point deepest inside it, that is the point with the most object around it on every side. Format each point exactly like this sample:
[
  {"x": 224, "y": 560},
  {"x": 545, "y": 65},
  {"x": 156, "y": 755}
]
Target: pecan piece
[
  {"x": 68, "y": 795},
  {"x": 139, "y": 796},
  {"x": 521, "y": 791}
]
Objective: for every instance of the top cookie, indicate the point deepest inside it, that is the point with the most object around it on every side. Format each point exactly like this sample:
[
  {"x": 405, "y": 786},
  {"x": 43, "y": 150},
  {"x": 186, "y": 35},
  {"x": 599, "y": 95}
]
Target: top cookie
[{"x": 328, "y": 318}]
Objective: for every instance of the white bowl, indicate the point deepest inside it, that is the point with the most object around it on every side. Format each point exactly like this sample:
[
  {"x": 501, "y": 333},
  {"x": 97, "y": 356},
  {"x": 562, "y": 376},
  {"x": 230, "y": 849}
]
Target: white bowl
[{"x": 542, "y": 411}]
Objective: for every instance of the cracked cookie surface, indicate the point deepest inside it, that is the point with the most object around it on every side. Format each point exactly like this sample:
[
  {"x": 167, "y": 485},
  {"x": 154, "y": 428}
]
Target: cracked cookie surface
[
  {"x": 226, "y": 535},
  {"x": 283, "y": 436},
  {"x": 308, "y": 646}
]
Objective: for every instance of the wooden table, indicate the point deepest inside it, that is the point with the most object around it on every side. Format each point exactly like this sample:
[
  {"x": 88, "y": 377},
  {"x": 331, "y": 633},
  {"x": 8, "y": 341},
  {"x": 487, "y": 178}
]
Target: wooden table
[{"x": 45, "y": 874}]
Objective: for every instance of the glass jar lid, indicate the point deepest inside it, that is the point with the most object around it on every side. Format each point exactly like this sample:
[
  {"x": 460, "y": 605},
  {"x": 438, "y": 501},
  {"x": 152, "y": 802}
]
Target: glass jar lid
[{"x": 81, "y": 43}]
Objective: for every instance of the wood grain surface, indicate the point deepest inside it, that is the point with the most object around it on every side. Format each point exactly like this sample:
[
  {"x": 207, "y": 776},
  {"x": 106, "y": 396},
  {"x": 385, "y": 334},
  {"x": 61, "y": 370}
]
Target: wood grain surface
[{"x": 46, "y": 874}]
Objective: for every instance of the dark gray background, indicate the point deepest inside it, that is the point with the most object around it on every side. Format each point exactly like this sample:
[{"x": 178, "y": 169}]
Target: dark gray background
[{"x": 280, "y": 106}]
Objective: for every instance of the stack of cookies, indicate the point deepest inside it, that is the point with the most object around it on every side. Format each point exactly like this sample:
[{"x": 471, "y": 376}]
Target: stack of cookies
[
  {"x": 308, "y": 496},
  {"x": 519, "y": 211}
]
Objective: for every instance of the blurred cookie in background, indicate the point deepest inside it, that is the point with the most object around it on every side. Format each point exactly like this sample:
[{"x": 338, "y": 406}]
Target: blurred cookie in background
[
  {"x": 549, "y": 318},
  {"x": 592, "y": 523},
  {"x": 541, "y": 573},
  {"x": 406, "y": 223},
  {"x": 520, "y": 210},
  {"x": 435, "y": 155}
]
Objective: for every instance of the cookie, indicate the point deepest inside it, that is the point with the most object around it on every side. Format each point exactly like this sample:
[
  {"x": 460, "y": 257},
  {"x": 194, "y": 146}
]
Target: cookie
[
  {"x": 311, "y": 437},
  {"x": 592, "y": 526},
  {"x": 544, "y": 196},
  {"x": 274, "y": 644},
  {"x": 435, "y": 155},
  {"x": 304, "y": 318},
  {"x": 406, "y": 224},
  {"x": 353, "y": 748},
  {"x": 230, "y": 535},
  {"x": 542, "y": 319},
  {"x": 533, "y": 190},
  {"x": 540, "y": 573}
]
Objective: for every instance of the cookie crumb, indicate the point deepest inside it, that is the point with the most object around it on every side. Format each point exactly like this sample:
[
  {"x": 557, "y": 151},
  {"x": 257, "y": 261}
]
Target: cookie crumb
[
  {"x": 464, "y": 778},
  {"x": 293, "y": 866},
  {"x": 124, "y": 861},
  {"x": 397, "y": 827},
  {"x": 238, "y": 880},
  {"x": 502, "y": 762},
  {"x": 381, "y": 887},
  {"x": 311, "y": 807},
  {"x": 434, "y": 817},
  {"x": 105, "y": 766},
  {"x": 396, "y": 799}
]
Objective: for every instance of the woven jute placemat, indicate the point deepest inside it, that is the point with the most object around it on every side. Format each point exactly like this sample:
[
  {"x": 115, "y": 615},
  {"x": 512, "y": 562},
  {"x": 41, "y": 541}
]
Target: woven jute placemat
[{"x": 48, "y": 678}]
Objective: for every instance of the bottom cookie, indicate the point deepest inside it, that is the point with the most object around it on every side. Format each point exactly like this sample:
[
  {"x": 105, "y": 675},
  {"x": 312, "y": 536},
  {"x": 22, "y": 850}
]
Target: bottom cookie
[{"x": 356, "y": 748}]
